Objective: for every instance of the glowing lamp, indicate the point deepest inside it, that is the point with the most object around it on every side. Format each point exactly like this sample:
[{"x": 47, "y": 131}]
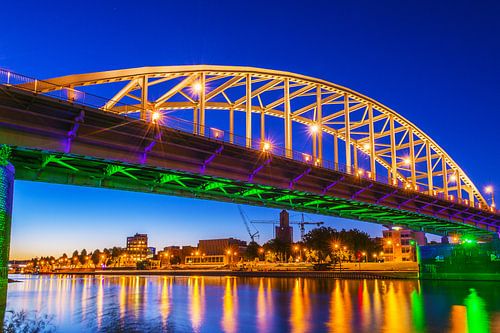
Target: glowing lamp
[
  {"x": 155, "y": 116},
  {"x": 266, "y": 146},
  {"x": 314, "y": 128},
  {"x": 366, "y": 146},
  {"x": 197, "y": 87},
  {"x": 453, "y": 178},
  {"x": 307, "y": 157},
  {"x": 488, "y": 189},
  {"x": 407, "y": 161}
]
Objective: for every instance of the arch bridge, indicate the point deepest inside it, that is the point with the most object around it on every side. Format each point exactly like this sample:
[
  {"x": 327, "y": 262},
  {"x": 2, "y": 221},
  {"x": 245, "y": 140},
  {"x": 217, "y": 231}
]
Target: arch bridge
[{"x": 238, "y": 134}]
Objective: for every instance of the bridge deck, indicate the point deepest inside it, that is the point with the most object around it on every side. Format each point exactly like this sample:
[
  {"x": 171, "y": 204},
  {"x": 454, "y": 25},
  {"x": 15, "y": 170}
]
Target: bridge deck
[{"x": 59, "y": 142}]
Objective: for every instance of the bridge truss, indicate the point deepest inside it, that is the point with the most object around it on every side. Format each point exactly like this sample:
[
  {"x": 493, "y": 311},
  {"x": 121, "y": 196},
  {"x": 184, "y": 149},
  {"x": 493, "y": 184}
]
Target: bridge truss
[{"x": 355, "y": 126}]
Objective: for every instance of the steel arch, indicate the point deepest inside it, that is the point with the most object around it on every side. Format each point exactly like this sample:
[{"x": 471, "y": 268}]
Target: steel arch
[{"x": 391, "y": 142}]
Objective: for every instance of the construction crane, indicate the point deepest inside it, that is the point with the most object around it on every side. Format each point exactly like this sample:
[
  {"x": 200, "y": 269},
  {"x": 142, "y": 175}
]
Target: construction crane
[
  {"x": 244, "y": 217},
  {"x": 301, "y": 224}
]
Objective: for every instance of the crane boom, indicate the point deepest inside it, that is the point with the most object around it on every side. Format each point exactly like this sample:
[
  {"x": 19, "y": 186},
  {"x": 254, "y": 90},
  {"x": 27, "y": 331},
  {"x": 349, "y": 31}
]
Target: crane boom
[{"x": 247, "y": 225}]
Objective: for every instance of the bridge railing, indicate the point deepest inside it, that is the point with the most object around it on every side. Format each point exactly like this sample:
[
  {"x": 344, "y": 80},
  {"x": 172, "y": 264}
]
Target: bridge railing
[
  {"x": 19, "y": 81},
  {"x": 275, "y": 150},
  {"x": 66, "y": 94}
]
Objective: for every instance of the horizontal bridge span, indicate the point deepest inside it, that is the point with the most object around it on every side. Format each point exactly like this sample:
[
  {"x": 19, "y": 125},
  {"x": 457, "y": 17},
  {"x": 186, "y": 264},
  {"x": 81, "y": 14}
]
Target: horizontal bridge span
[
  {"x": 396, "y": 149},
  {"x": 56, "y": 141}
]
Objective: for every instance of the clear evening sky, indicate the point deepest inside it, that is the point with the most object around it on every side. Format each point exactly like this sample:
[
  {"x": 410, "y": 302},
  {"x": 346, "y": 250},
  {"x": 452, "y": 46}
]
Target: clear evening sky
[{"x": 435, "y": 62}]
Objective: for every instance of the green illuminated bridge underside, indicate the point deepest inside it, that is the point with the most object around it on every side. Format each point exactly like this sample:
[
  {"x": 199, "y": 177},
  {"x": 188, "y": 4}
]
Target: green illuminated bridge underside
[
  {"x": 74, "y": 170},
  {"x": 109, "y": 151}
]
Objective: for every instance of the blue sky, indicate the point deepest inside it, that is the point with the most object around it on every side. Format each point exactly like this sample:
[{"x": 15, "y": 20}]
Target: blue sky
[{"x": 436, "y": 63}]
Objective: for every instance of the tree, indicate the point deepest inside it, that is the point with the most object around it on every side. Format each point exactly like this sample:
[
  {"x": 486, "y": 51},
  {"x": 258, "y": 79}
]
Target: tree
[
  {"x": 252, "y": 251},
  {"x": 321, "y": 240},
  {"x": 279, "y": 248},
  {"x": 75, "y": 258},
  {"x": 96, "y": 257},
  {"x": 116, "y": 252},
  {"x": 83, "y": 257},
  {"x": 344, "y": 244}
]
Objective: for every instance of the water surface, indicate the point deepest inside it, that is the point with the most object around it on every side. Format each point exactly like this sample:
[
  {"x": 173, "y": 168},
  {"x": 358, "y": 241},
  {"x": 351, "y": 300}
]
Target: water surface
[{"x": 229, "y": 304}]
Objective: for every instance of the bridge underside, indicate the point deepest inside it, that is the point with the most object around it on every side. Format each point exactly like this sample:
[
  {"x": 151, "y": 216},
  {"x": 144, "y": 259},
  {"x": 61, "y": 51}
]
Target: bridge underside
[
  {"x": 59, "y": 142},
  {"x": 84, "y": 171}
]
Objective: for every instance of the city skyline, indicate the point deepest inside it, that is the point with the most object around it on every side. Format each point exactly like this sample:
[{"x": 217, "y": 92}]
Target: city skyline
[
  {"x": 447, "y": 49},
  {"x": 88, "y": 235}
]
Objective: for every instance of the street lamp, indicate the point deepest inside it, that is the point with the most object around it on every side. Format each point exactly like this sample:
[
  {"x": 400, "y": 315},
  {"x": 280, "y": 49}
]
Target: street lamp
[
  {"x": 489, "y": 189},
  {"x": 297, "y": 248}
]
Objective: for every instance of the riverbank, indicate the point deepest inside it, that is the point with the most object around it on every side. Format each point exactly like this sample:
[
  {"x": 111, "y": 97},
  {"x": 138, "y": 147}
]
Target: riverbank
[{"x": 277, "y": 274}]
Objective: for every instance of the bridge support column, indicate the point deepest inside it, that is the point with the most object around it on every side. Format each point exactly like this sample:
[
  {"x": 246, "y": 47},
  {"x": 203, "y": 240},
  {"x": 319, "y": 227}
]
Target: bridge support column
[{"x": 6, "y": 198}]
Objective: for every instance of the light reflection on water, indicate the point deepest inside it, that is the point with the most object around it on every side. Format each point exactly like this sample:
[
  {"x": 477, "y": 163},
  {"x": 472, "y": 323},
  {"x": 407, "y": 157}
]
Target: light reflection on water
[{"x": 229, "y": 304}]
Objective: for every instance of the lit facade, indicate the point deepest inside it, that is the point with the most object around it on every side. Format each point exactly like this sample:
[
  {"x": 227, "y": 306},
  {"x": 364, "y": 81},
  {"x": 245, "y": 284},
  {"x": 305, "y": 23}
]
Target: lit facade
[
  {"x": 207, "y": 260},
  {"x": 399, "y": 244},
  {"x": 137, "y": 247}
]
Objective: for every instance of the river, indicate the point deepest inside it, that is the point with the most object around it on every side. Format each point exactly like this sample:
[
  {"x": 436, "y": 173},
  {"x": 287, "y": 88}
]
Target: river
[{"x": 228, "y": 304}]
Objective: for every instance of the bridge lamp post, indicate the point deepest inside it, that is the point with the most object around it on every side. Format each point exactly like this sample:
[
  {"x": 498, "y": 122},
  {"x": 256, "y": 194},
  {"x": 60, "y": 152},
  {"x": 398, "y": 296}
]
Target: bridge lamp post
[
  {"x": 314, "y": 129},
  {"x": 155, "y": 117},
  {"x": 266, "y": 146},
  {"x": 197, "y": 87},
  {"x": 307, "y": 158},
  {"x": 489, "y": 190}
]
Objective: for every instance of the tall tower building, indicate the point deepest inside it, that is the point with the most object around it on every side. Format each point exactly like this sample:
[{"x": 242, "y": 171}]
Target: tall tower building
[{"x": 284, "y": 232}]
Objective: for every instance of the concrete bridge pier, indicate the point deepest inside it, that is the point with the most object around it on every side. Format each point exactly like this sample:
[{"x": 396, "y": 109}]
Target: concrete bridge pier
[{"x": 7, "y": 173}]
